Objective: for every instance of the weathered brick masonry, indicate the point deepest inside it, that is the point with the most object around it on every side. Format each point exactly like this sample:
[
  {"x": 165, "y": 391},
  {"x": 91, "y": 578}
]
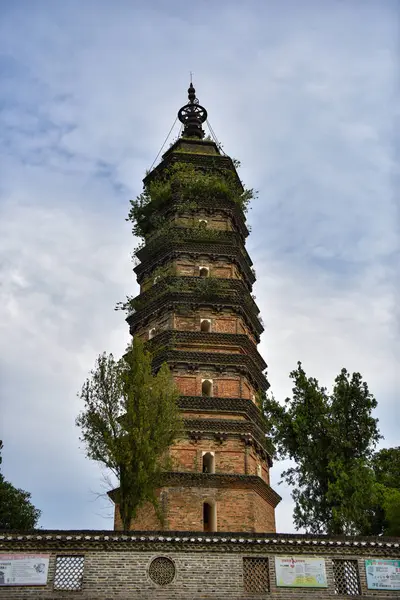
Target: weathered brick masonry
[
  {"x": 200, "y": 566},
  {"x": 196, "y": 312}
]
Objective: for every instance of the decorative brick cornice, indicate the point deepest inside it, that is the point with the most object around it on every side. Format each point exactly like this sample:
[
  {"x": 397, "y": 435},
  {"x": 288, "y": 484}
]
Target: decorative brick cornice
[
  {"x": 195, "y": 249},
  {"x": 233, "y": 429},
  {"x": 173, "y": 300},
  {"x": 203, "y": 161},
  {"x": 216, "y": 480},
  {"x": 234, "y": 290},
  {"x": 229, "y": 425},
  {"x": 187, "y": 236},
  {"x": 232, "y": 286},
  {"x": 219, "y": 405},
  {"x": 172, "y": 338},
  {"x": 223, "y": 480},
  {"x": 240, "y": 363}
]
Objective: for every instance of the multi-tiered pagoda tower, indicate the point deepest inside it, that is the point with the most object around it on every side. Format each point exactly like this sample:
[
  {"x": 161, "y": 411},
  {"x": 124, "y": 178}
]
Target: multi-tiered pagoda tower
[{"x": 196, "y": 312}]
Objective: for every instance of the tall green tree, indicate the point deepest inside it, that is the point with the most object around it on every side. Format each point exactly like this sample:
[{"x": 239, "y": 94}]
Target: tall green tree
[
  {"x": 384, "y": 512},
  {"x": 16, "y": 509},
  {"x": 129, "y": 421},
  {"x": 330, "y": 437}
]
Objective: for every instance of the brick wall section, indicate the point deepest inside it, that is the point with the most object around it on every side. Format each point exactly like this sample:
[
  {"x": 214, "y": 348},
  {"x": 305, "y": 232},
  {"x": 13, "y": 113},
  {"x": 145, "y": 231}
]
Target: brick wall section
[
  {"x": 170, "y": 320},
  {"x": 217, "y": 268},
  {"x": 253, "y": 461},
  {"x": 188, "y": 385},
  {"x": 220, "y": 221},
  {"x": 225, "y": 325},
  {"x": 191, "y": 323},
  {"x": 237, "y": 508},
  {"x": 120, "y": 569},
  {"x": 223, "y": 387},
  {"x": 190, "y": 268},
  {"x": 263, "y": 515},
  {"x": 228, "y": 322},
  {"x": 227, "y": 388},
  {"x": 146, "y": 518},
  {"x": 214, "y": 415},
  {"x": 229, "y": 456}
]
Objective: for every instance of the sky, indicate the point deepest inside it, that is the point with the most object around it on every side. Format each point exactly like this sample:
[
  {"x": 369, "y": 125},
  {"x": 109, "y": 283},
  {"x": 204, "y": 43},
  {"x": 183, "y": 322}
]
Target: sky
[{"x": 304, "y": 94}]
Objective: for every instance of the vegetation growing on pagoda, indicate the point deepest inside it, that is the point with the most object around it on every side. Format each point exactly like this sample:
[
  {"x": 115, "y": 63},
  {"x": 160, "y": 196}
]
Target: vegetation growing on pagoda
[
  {"x": 189, "y": 185},
  {"x": 171, "y": 231},
  {"x": 205, "y": 288}
]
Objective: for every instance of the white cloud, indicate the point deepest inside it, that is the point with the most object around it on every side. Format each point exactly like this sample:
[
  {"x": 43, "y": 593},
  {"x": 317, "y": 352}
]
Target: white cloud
[{"x": 304, "y": 97}]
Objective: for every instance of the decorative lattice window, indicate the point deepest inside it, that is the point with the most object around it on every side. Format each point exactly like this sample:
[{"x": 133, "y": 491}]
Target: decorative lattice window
[
  {"x": 69, "y": 573},
  {"x": 162, "y": 570},
  {"x": 255, "y": 575},
  {"x": 347, "y": 580}
]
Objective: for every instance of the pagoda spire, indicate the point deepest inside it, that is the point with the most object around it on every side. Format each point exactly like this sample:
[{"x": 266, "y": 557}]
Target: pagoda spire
[{"x": 192, "y": 115}]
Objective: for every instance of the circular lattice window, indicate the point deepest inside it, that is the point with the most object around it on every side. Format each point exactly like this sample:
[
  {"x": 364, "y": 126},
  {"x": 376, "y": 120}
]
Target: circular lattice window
[{"x": 162, "y": 570}]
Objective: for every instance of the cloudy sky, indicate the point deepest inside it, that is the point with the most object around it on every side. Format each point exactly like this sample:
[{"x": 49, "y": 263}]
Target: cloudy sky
[{"x": 303, "y": 93}]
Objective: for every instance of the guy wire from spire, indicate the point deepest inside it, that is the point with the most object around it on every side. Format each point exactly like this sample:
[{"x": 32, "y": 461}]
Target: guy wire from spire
[
  {"x": 165, "y": 141},
  {"x": 214, "y": 136}
]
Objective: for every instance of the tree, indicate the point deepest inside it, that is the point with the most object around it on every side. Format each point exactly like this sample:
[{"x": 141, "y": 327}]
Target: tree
[
  {"x": 331, "y": 438},
  {"x": 386, "y": 466},
  {"x": 16, "y": 510},
  {"x": 130, "y": 420},
  {"x": 384, "y": 513}
]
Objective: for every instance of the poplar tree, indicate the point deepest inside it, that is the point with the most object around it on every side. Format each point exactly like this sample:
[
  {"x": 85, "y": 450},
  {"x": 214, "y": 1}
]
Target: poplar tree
[{"x": 130, "y": 419}]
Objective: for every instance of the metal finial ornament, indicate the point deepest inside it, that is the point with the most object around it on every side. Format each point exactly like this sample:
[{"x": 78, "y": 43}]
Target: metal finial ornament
[{"x": 192, "y": 115}]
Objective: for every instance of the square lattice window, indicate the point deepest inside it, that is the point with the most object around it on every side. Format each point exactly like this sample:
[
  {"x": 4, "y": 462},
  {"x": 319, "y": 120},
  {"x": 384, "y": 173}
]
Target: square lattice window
[
  {"x": 69, "y": 573},
  {"x": 347, "y": 580},
  {"x": 255, "y": 575}
]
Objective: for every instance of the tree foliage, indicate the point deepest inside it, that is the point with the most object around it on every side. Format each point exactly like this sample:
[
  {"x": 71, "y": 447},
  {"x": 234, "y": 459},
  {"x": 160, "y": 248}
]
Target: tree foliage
[
  {"x": 129, "y": 421},
  {"x": 330, "y": 437},
  {"x": 16, "y": 510},
  {"x": 206, "y": 288},
  {"x": 384, "y": 511}
]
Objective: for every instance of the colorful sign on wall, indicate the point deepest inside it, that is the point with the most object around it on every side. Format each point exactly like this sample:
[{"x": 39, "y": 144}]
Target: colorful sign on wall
[
  {"x": 300, "y": 571},
  {"x": 23, "y": 569},
  {"x": 383, "y": 574}
]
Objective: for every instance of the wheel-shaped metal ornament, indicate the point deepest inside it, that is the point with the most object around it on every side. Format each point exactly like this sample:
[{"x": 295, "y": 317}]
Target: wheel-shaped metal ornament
[{"x": 192, "y": 112}]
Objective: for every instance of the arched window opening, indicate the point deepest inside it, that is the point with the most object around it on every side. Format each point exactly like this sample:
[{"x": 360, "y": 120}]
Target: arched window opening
[
  {"x": 206, "y": 387},
  {"x": 152, "y": 333},
  {"x": 205, "y": 325},
  {"x": 203, "y": 222},
  {"x": 156, "y": 279},
  {"x": 204, "y": 271},
  {"x": 208, "y": 462},
  {"x": 209, "y": 517},
  {"x": 259, "y": 470}
]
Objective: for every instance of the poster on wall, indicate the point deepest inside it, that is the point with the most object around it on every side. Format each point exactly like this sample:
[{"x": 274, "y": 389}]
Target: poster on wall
[
  {"x": 383, "y": 574},
  {"x": 300, "y": 571},
  {"x": 23, "y": 569}
]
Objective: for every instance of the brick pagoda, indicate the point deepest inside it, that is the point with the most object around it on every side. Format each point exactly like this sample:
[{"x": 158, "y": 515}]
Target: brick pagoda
[{"x": 196, "y": 312}]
